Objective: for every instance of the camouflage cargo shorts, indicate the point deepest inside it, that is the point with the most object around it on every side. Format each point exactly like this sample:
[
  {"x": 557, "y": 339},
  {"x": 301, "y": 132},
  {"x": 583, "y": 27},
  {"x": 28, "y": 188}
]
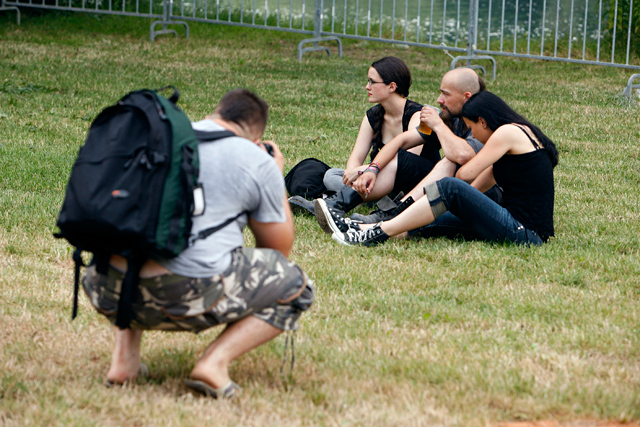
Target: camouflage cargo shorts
[{"x": 259, "y": 282}]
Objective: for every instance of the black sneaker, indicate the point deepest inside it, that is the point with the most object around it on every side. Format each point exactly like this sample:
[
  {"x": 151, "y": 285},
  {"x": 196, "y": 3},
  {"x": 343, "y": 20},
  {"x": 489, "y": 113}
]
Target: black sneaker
[
  {"x": 332, "y": 220},
  {"x": 369, "y": 237}
]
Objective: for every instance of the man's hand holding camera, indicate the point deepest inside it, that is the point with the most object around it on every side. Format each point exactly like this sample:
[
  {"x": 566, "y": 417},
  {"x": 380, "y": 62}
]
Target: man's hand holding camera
[{"x": 274, "y": 151}]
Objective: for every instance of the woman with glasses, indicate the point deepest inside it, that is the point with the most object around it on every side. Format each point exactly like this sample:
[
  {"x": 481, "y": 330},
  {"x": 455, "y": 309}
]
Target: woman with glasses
[
  {"x": 388, "y": 82},
  {"x": 516, "y": 155}
]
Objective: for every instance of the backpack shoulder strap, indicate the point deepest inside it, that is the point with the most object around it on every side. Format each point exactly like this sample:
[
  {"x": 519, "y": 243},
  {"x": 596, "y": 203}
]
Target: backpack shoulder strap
[
  {"x": 210, "y": 136},
  {"x": 203, "y": 234},
  {"x": 101, "y": 261},
  {"x": 77, "y": 259},
  {"x": 127, "y": 292}
]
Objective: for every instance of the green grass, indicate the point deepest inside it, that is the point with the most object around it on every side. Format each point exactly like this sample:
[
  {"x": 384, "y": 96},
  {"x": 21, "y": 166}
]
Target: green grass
[{"x": 431, "y": 332}]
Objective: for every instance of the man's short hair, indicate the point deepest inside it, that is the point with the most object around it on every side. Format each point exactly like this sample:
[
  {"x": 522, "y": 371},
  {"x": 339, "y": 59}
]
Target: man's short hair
[{"x": 245, "y": 108}]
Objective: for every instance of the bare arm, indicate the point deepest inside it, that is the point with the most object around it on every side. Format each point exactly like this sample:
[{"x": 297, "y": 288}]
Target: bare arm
[
  {"x": 411, "y": 138},
  {"x": 485, "y": 180},
  {"x": 454, "y": 148},
  {"x": 499, "y": 143},
  {"x": 359, "y": 151},
  {"x": 414, "y": 123},
  {"x": 275, "y": 235}
]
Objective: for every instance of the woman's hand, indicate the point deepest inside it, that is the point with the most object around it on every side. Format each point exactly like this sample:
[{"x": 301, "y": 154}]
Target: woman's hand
[
  {"x": 350, "y": 176},
  {"x": 365, "y": 183}
]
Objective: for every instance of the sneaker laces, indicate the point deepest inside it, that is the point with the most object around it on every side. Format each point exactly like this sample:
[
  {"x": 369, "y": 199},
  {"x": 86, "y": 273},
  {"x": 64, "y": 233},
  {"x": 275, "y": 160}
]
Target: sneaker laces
[
  {"x": 360, "y": 236},
  {"x": 342, "y": 222},
  {"x": 352, "y": 223}
]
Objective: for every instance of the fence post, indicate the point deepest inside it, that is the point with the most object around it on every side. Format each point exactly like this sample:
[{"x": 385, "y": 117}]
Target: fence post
[
  {"x": 473, "y": 30},
  {"x": 472, "y": 44},
  {"x": 317, "y": 36},
  {"x": 3, "y": 8},
  {"x": 167, "y": 19},
  {"x": 630, "y": 85}
]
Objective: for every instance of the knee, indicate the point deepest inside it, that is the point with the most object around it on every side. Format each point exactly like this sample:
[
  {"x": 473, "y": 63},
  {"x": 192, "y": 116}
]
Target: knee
[
  {"x": 449, "y": 183},
  {"x": 306, "y": 298},
  {"x": 332, "y": 179},
  {"x": 297, "y": 288},
  {"x": 441, "y": 194},
  {"x": 434, "y": 190}
]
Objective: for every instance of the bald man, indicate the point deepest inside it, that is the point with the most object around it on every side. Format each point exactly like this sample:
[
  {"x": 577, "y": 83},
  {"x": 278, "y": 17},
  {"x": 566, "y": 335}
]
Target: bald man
[{"x": 448, "y": 132}]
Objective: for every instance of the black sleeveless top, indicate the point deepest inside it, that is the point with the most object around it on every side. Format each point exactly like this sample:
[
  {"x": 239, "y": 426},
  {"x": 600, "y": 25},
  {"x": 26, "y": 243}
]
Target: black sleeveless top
[
  {"x": 527, "y": 185},
  {"x": 375, "y": 115}
]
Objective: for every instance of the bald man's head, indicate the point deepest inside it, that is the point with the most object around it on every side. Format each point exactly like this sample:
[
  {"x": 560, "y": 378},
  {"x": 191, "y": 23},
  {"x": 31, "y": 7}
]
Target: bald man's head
[
  {"x": 457, "y": 86},
  {"x": 465, "y": 80}
]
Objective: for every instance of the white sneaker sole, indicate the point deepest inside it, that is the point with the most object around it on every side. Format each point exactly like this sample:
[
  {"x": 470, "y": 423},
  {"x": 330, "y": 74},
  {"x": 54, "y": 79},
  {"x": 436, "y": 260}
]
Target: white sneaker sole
[{"x": 338, "y": 238}]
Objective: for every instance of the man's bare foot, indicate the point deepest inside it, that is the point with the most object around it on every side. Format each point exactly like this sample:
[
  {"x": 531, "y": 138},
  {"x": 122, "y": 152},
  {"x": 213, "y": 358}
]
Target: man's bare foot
[
  {"x": 215, "y": 373},
  {"x": 125, "y": 359},
  {"x": 115, "y": 377}
]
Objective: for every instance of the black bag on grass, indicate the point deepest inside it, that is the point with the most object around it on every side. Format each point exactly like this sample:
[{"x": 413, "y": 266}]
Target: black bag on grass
[
  {"x": 306, "y": 179},
  {"x": 133, "y": 188}
]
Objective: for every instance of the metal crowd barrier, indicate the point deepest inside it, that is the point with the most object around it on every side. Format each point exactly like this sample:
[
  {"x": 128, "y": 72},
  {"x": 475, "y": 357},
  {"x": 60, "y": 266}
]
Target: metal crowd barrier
[
  {"x": 14, "y": 8},
  {"x": 595, "y": 32}
]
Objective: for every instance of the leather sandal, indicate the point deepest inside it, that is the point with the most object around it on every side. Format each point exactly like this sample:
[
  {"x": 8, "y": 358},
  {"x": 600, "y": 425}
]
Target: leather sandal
[{"x": 230, "y": 391}]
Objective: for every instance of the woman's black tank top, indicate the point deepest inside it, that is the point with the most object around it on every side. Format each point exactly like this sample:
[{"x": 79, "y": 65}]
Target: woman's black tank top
[
  {"x": 528, "y": 188},
  {"x": 375, "y": 115}
]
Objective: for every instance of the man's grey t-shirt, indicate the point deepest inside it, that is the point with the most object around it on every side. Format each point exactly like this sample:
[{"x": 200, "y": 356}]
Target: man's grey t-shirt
[{"x": 237, "y": 176}]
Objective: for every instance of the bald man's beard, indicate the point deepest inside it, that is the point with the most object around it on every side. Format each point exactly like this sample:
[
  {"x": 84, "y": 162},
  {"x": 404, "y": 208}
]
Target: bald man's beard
[{"x": 447, "y": 116}]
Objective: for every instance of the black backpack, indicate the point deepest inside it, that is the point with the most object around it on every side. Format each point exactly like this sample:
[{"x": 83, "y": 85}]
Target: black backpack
[
  {"x": 306, "y": 179},
  {"x": 131, "y": 189}
]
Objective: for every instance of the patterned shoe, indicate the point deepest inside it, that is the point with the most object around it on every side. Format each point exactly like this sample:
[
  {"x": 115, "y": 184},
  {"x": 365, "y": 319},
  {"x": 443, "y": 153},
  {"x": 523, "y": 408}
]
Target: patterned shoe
[
  {"x": 332, "y": 220},
  {"x": 369, "y": 237}
]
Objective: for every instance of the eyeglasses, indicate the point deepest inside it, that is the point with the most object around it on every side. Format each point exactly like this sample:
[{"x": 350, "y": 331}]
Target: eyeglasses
[{"x": 371, "y": 82}]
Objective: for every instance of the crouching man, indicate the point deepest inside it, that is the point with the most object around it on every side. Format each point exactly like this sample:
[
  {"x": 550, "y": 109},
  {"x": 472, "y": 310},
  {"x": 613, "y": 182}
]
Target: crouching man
[{"x": 257, "y": 292}]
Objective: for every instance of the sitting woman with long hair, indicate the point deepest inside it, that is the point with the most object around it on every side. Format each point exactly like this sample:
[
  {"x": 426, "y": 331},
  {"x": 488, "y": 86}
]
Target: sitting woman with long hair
[{"x": 516, "y": 155}]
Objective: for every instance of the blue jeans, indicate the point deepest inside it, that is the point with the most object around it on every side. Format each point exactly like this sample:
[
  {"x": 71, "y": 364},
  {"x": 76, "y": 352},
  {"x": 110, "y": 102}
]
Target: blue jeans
[{"x": 461, "y": 210}]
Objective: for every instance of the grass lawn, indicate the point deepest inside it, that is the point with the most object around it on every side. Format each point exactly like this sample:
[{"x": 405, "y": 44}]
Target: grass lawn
[{"x": 430, "y": 333}]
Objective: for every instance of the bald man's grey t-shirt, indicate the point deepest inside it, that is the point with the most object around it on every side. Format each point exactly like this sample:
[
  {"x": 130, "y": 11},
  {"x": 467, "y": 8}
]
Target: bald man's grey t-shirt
[{"x": 236, "y": 176}]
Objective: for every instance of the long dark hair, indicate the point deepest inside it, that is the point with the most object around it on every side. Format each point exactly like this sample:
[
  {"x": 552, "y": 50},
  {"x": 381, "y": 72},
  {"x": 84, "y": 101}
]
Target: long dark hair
[
  {"x": 391, "y": 69},
  {"x": 496, "y": 113}
]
